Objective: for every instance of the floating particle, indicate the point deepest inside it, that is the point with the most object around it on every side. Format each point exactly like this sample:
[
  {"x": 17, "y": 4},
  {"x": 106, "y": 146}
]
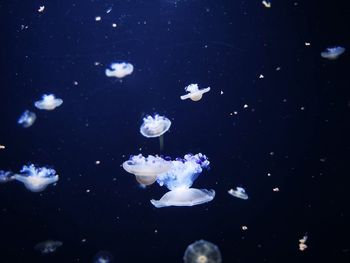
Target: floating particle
[
  {"x": 245, "y": 106},
  {"x": 302, "y": 243},
  {"x": 267, "y": 4},
  {"x": 114, "y": 25},
  {"x": 307, "y": 44},
  {"x": 278, "y": 68},
  {"x": 109, "y": 10},
  {"x": 244, "y": 228},
  {"x": 276, "y": 189},
  {"x": 261, "y": 76},
  {"x": 41, "y": 9},
  {"x": 221, "y": 92},
  {"x": 2, "y": 147},
  {"x": 302, "y": 108},
  {"x": 87, "y": 190},
  {"x": 195, "y": 94},
  {"x": 97, "y": 18},
  {"x": 75, "y": 83},
  {"x": 97, "y": 162},
  {"x": 268, "y": 174}
]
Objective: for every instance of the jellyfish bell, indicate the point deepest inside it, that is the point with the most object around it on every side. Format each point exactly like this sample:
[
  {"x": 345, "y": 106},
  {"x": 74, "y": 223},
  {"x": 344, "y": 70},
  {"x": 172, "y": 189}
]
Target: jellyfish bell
[
  {"x": 103, "y": 256},
  {"x": 119, "y": 70},
  {"x": 146, "y": 169},
  {"x": 184, "y": 197},
  {"x": 48, "y": 102},
  {"x": 154, "y": 126},
  {"x": 239, "y": 193},
  {"x": 48, "y": 246},
  {"x": 27, "y": 119},
  {"x": 202, "y": 252},
  {"x": 333, "y": 53},
  {"x": 195, "y": 93}
]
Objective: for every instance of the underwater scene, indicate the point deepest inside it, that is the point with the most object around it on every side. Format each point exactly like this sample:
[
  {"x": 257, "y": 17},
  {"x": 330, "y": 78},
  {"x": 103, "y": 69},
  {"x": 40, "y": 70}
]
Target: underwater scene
[{"x": 195, "y": 131}]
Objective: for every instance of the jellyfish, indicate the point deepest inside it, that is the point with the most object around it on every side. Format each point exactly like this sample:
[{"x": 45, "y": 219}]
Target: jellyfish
[
  {"x": 36, "y": 179},
  {"x": 119, "y": 70},
  {"x": 103, "y": 257},
  {"x": 154, "y": 126},
  {"x": 180, "y": 178},
  {"x": 48, "y": 102},
  {"x": 239, "y": 193},
  {"x": 195, "y": 93},
  {"x": 202, "y": 252},
  {"x": 333, "y": 53},
  {"x": 146, "y": 169},
  {"x": 27, "y": 119},
  {"x": 48, "y": 246},
  {"x": 6, "y": 176}
]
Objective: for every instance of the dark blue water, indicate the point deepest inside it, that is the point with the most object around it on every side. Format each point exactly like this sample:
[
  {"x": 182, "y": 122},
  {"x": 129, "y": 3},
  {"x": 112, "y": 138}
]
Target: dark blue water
[{"x": 295, "y": 117}]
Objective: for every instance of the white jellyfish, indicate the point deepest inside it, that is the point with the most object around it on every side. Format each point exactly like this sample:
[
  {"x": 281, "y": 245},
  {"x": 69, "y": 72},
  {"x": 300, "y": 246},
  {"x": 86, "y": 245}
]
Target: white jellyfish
[
  {"x": 48, "y": 102},
  {"x": 195, "y": 93},
  {"x": 239, "y": 193},
  {"x": 180, "y": 178},
  {"x": 202, "y": 252},
  {"x": 103, "y": 257},
  {"x": 119, "y": 70},
  {"x": 27, "y": 119},
  {"x": 154, "y": 126},
  {"x": 48, "y": 246},
  {"x": 36, "y": 179},
  {"x": 146, "y": 169},
  {"x": 333, "y": 53}
]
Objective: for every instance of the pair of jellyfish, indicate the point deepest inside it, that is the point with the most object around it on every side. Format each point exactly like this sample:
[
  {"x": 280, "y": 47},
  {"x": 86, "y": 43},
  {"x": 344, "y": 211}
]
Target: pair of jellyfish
[
  {"x": 194, "y": 93},
  {"x": 239, "y": 192},
  {"x": 34, "y": 179},
  {"x": 202, "y": 252},
  {"x": 333, "y": 53},
  {"x": 177, "y": 175},
  {"x": 48, "y": 246},
  {"x": 119, "y": 70}
]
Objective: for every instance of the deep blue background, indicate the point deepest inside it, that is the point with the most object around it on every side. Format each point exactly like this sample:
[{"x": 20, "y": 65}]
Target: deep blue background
[{"x": 222, "y": 44}]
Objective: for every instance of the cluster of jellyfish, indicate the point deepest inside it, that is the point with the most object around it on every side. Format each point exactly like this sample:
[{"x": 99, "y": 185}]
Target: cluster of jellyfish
[{"x": 35, "y": 179}]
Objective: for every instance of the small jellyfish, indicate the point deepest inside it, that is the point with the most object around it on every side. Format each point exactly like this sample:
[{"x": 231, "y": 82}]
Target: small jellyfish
[
  {"x": 103, "y": 257},
  {"x": 48, "y": 246},
  {"x": 48, "y": 102},
  {"x": 239, "y": 193},
  {"x": 202, "y": 252},
  {"x": 146, "y": 169},
  {"x": 119, "y": 70},
  {"x": 6, "y": 176},
  {"x": 27, "y": 119},
  {"x": 333, "y": 53},
  {"x": 36, "y": 179},
  {"x": 154, "y": 126},
  {"x": 195, "y": 93}
]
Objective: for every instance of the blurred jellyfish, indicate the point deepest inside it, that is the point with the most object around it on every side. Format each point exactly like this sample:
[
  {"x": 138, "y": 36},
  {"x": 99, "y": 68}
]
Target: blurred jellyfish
[
  {"x": 6, "y": 176},
  {"x": 48, "y": 102},
  {"x": 146, "y": 169},
  {"x": 195, "y": 93},
  {"x": 36, "y": 179},
  {"x": 103, "y": 257},
  {"x": 119, "y": 70},
  {"x": 48, "y": 246},
  {"x": 333, "y": 53},
  {"x": 180, "y": 178},
  {"x": 202, "y": 252},
  {"x": 27, "y": 119},
  {"x": 239, "y": 193},
  {"x": 154, "y": 126}
]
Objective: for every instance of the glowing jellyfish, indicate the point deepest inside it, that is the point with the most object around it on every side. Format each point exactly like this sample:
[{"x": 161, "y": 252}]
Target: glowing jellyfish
[
  {"x": 36, "y": 179},
  {"x": 27, "y": 119},
  {"x": 239, "y": 193},
  {"x": 5, "y": 176},
  {"x": 332, "y": 53},
  {"x": 146, "y": 169},
  {"x": 48, "y": 102},
  {"x": 202, "y": 252},
  {"x": 119, "y": 70},
  {"x": 154, "y": 126},
  {"x": 48, "y": 246},
  {"x": 195, "y": 93},
  {"x": 180, "y": 178},
  {"x": 103, "y": 257}
]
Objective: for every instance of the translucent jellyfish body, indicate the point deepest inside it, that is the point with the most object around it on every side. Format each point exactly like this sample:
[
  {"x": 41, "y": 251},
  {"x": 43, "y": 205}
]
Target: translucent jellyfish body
[
  {"x": 48, "y": 102},
  {"x": 103, "y": 257},
  {"x": 195, "y": 93},
  {"x": 154, "y": 126},
  {"x": 239, "y": 193},
  {"x": 119, "y": 70},
  {"x": 146, "y": 169},
  {"x": 27, "y": 119},
  {"x": 48, "y": 246},
  {"x": 202, "y": 252},
  {"x": 332, "y": 53},
  {"x": 36, "y": 179}
]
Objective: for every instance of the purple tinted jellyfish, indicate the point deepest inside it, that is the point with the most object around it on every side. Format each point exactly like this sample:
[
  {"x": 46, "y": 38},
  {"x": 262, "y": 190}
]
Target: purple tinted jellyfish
[
  {"x": 202, "y": 252},
  {"x": 239, "y": 193},
  {"x": 27, "y": 119},
  {"x": 48, "y": 102},
  {"x": 36, "y": 179},
  {"x": 48, "y": 246},
  {"x": 119, "y": 70},
  {"x": 154, "y": 126},
  {"x": 332, "y": 53},
  {"x": 103, "y": 257},
  {"x": 146, "y": 169},
  {"x": 195, "y": 93}
]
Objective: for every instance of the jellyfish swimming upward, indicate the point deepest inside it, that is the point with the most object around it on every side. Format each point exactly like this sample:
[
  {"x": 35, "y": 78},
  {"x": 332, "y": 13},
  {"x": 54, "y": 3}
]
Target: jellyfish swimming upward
[
  {"x": 119, "y": 70},
  {"x": 27, "y": 119},
  {"x": 180, "y": 178},
  {"x": 48, "y": 102},
  {"x": 332, "y": 53},
  {"x": 154, "y": 126},
  {"x": 195, "y": 93}
]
